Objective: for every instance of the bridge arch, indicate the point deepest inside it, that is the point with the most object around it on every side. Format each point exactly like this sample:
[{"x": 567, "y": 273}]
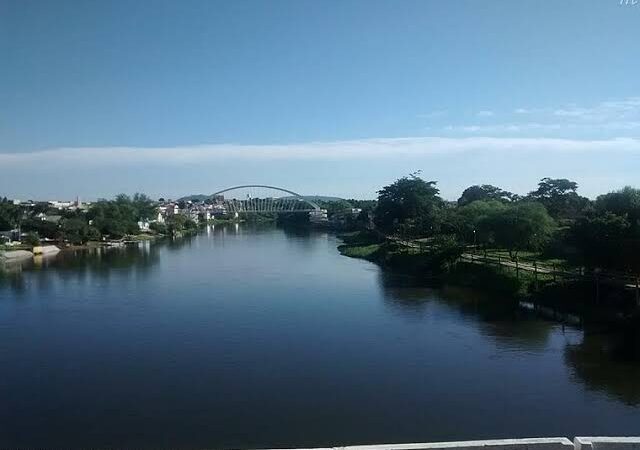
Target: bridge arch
[{"x": 259, "y": 202}]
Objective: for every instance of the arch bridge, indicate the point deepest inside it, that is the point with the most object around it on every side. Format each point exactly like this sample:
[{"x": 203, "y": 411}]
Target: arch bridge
[{"x": 261, "y": 198}]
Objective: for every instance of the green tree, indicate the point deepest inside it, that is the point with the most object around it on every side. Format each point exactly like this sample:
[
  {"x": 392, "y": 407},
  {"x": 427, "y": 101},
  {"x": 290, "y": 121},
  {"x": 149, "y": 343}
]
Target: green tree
[
  {"x": 608, "y": 235},
  {"x": 75, "y": 230},
  {"x": 177, "y": 223},
  {"x": 409, "y": 205},
  {"x": 42, "y": 228},
  {"x": 484, "y": 192},
  {"x": 10, "y": 215},
  {"x": 560, "y": 197},
  {"x": 602, "y": 240},
  {"x": 120, "y": 217},
  {"x": 31, "y": 239},
  {"x": 523, "y": 226},
  {"x": 145, "y": 207},
  {"x": 625, "y": 202},
  {"x": 472, "y": 224}
]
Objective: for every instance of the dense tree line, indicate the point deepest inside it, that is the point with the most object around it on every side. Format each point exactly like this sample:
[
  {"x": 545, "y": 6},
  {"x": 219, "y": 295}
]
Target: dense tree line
[
  {"x": 553, "y": 218},
  {"x": 111, "y": 219}
]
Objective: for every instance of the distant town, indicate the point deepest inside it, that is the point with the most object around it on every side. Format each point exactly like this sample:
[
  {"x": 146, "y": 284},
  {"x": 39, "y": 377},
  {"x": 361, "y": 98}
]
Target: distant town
[{"x": 29, "y": 223}]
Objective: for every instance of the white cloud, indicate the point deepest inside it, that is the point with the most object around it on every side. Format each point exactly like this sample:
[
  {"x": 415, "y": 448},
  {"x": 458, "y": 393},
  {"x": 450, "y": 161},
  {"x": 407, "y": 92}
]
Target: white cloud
[
  {"x": 364, "y": 149},
  {"x": 606, "y": 111},
  {"x": 433, "y": 114},
  {"x": 607, "y": 116}
]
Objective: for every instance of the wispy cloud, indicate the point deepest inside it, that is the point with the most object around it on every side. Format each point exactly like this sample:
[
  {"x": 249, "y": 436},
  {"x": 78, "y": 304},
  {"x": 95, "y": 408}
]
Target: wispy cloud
[
  {"x": 606, "y": 116},
  {"x": 433, "y": 114},
  {"x": 364, "y": 149}
]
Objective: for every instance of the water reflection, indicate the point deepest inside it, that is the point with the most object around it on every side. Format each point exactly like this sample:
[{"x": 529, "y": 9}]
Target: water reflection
[
  {"x": 501, "y": 319},
  {"x": 608, "y": 363},
  {"x": 215, "y": 328},
  {"x": 79, "y": 264}
]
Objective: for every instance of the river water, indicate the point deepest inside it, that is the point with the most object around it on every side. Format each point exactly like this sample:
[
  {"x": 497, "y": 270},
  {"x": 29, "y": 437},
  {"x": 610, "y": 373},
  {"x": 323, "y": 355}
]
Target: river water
[{"x": 245, "y": 337}]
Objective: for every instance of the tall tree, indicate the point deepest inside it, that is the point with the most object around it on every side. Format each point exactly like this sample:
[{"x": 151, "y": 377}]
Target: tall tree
[
  {"x": 625, "y": 202},
  {"x": 608, "y": 236},
  {"x": 472, "y": 220},
  {"x": 10, "y": 215},
  {"x": 523, "y": 226},
  {"x": 410, "y": 204},
  {"x": 560, "y": 197},
  {"x": 484, "y": 192}
]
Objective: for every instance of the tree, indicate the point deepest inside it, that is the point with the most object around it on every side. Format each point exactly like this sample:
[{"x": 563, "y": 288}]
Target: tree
[
  {"x": 523, "y": 226},
  {"x": 560, "y": 197},
  {"x": 409, "y": 205},
  {"x": 10, "y": 215},
  {"x": 145, "y": 207},
  {"x": 178, "y": 223},
  {"x": 472, "y": 223},
  {"x": 484, "y": 192},
  {"x": 31, "y": 239},
  {"x": 115, "y": 218},
  {"x": 75, "y": 230},
  {"x": 158, "y": 227},
  {"x": 625, "y": 202},
  {"x": 335, "y": 206},
  {"x": 601, "y": 239},
  {"x": 608, "y": 236},
  {"x": 43, "y": 228}
]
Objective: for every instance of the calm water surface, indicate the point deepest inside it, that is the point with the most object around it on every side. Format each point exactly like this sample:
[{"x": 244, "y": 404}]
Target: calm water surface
[{"x": 253, "y": 338}]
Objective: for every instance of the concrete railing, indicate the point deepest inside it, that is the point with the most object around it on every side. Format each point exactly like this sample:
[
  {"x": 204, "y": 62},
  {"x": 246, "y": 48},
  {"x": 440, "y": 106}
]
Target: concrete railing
[
  {"x": 579, "y": 443},
  {"x": 607, "y": 443}
]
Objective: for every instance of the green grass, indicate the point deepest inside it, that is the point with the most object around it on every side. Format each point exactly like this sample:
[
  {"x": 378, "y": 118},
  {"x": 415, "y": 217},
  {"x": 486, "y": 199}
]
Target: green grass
[
  {"x": 526, "y": 256},
  {"x": 359, "y": 251}
]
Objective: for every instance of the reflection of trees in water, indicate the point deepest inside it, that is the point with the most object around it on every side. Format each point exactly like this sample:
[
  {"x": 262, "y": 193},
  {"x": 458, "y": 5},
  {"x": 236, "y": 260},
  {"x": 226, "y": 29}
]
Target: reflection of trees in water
[
  {"x": 177, "y": 243},
  {"x": 79, "y": 265},
  {"x": 498, "y": 318},
  {"x": 11, "y": 277},
  {"x": 501, "y": 318},
  {"x": 608, "y": 363},
  {"x": 405, "y": 294},
  {"x": 300, "y": 236}
]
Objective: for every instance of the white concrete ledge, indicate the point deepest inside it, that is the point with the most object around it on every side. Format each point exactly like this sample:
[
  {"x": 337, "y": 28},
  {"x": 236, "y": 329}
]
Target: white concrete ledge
[
  {"x": 560, "y": 443},
  {"x": 496, "y": 444},
  {"x": 606, "y": 443}
]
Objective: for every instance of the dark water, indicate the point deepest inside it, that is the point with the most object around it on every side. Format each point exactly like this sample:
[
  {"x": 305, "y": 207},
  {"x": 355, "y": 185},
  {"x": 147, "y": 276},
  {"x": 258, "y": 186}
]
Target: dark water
[{"x": 246, "y": 338}]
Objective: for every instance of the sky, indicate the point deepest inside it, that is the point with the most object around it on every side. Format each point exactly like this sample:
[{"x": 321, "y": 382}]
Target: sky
[{"x": 320, "y": 97}]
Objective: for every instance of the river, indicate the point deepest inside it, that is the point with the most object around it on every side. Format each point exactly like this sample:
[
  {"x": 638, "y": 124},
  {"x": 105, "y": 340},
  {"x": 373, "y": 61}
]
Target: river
[{"x": 257, "y": 337}]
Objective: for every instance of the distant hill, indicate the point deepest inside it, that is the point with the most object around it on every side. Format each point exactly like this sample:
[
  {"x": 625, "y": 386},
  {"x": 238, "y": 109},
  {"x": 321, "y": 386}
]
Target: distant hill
[
  {"x": 198, "y": 197},
  {"x": 322, "y": 198}
]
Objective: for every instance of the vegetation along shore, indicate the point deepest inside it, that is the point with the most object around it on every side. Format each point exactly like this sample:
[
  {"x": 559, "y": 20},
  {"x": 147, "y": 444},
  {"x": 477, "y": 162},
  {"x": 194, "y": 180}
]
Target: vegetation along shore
[{"x": 551, "y": 245}]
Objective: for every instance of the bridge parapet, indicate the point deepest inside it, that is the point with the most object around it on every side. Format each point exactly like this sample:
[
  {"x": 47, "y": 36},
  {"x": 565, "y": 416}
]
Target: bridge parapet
[
  {"x": 557, "y": 443},
  {"x": 607, "y": 443}
]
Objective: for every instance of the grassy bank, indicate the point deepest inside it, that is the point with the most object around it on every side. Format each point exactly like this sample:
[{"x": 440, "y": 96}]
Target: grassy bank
[
  {"x": 440, "y": 264},
  {"x": 374, "y": 247}
]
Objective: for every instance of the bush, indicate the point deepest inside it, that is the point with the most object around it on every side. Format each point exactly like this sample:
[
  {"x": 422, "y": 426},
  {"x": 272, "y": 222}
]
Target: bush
[{"x": 31, "y": 239}]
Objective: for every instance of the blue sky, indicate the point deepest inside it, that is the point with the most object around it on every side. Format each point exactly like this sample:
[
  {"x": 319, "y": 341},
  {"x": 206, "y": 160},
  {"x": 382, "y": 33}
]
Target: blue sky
[{"x": 322, "y": 97}]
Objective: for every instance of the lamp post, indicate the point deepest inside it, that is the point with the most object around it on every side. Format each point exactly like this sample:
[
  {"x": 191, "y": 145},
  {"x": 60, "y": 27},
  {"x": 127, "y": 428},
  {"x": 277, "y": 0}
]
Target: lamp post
[{"x": 474, "y": 241}]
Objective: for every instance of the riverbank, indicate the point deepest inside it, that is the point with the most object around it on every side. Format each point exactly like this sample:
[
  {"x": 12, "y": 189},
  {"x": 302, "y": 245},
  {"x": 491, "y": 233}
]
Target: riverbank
[{"x": 445, "y": 263}]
